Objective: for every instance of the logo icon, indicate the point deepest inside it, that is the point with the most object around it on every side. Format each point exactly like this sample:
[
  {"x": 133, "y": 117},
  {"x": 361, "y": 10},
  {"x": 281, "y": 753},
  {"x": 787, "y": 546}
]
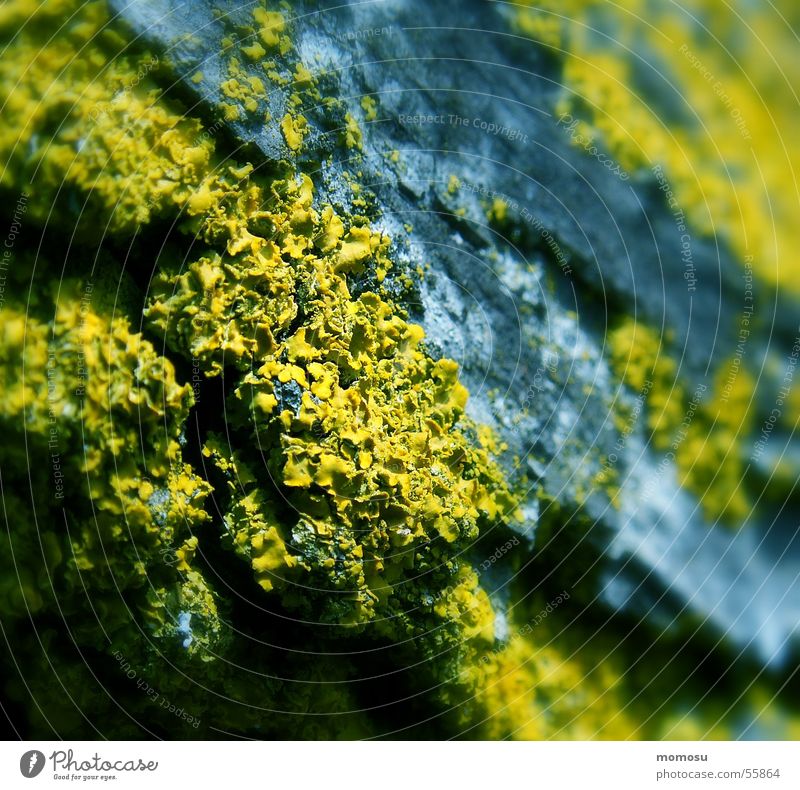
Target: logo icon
[{"x": 31, "y": 763}]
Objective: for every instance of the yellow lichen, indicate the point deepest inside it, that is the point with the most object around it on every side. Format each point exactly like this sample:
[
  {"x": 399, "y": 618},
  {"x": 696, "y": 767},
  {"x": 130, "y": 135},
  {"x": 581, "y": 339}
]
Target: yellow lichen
[
  {"x": 124, "y": 151},
  {"x": 370, "y": 107},
  {"x": 106, "y": 411},
  {"x": 367, "y": 447},
  {"x": 352, "y": 133},
  {"x": 498, "y": 211},
  {"x": 722, "y": 154},
  {"x": 294, "y": 130},
  {"x": 702, "y": 436},
  {"x": 270, "y": 25}
]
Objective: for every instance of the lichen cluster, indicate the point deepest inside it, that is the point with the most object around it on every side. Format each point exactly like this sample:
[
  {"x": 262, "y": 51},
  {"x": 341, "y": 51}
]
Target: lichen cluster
[
  {"x": 360, "y": 490},
  {"x": 100, "y": 410},
  {"x": 701, "y": 432},
  {"x": 236, "y": 482},
  {"x": 727, "y": 106}
]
